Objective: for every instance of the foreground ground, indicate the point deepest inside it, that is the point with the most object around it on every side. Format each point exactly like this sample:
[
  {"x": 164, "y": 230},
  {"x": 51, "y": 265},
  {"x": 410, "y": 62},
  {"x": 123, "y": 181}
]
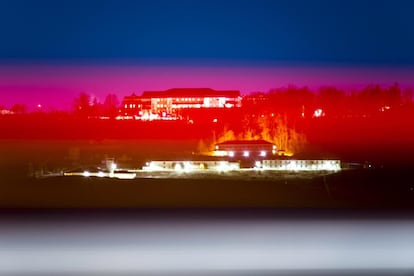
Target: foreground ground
[{"x": 364, "y": 189}]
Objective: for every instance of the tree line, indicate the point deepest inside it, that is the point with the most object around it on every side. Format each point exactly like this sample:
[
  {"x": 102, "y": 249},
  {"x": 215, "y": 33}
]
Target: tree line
[
  {"x": 329, "y": 101},
  {"x": 290, "y": 101}
]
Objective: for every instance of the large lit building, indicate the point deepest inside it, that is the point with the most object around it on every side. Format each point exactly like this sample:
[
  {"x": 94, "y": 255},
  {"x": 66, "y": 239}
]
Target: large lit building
[
  {"x": 245, "y": 148},
  {"x": 170, "y": 103}
]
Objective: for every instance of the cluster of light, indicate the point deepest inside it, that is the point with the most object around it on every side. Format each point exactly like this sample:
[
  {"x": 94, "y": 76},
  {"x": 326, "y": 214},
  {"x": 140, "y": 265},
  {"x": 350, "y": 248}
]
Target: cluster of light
[
  {"x": 223, "y": 153},
  {"x": 6, "y": 112},
  {"x": 384, "y": 108},
  {"x": 124, "y": 117},
  {"x": 178, "y": 167},
  {"x": 148, "y": 117},
  {"x": 318, "y": 113},
  {"x": 303, "y": 165},
  {"x": 246, "y": 153},
  {"x": 223, "y": 166},
  {"x": 185, "y": 166},
  {"x": 101, "y": 174},
  {"x": 262, "y": 153},
  {"x": 191, "y": 166},
  {"x": 125, "y": 175},
  {"x": 151, "y": 166}
]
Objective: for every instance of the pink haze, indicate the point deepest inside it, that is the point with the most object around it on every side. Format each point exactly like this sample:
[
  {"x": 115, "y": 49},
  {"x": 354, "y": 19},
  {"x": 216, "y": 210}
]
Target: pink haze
[{"x": 55, "y": 86}]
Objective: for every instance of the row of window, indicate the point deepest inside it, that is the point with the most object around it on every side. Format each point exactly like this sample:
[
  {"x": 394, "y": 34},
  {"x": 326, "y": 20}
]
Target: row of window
[{"x": 132, "y": 106}]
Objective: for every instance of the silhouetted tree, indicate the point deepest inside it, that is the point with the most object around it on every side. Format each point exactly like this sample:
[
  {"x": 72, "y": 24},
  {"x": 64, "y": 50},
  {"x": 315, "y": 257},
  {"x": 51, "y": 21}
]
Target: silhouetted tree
[
  {"x": 331, "y": 100},
  {"x": 291, "y": 101},
  {"x": 392, "y": 96},
  {"x": 407, "y": 96},
  {"x": 82, "y": 104},
  {"x": 110, "y": 106},
  {"x": 19, "y": 109}
]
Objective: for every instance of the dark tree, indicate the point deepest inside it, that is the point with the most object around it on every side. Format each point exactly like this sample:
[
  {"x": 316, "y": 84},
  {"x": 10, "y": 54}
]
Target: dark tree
[
  {"x": 82, "y": 104},
  {"x": 332, "y": 101},
  {"x": 19, "y": 109},
  {"x": 110, "y": 106}
]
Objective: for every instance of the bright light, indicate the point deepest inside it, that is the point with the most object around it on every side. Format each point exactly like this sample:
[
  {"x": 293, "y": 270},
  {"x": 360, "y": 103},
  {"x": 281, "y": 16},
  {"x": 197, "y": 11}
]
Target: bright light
[
  {"x": 39, "y": 106},
  {"x": 113, "y": 166},
  {"x": 151, "y": 166},
  {"x": 188, "y": 166},
  {"x": 86, "y": 174},
  {"x": 318, "y": 113},
  {"x": 217, "y": 147},
  {"x": 125, "y": 175},
  {"x": 215, "y": 120},
  {"x": 231, "y": 154},
  {"x": 303, "y": 165},
  {"x": 263, "y": 153},
  {"x": 223, "y": 166},
  {"x": 145, "y": 117},
  {"x": 246, "y": 153},
  {"x": 257, "y": 164},
  {"x": 219, "y": 153},
  {"x": 178, "y": 167},
  {"x": 385, "y": 107},
  {"x": 101, "y": 174}
]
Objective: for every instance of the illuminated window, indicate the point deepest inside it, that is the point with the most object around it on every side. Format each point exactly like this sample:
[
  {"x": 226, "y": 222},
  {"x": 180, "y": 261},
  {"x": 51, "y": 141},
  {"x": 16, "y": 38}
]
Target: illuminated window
[{"x": 246, "y": 153}]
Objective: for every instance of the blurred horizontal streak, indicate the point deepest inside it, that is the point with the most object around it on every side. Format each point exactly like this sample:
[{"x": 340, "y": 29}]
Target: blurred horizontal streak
[{"x": 171, "y": 245}]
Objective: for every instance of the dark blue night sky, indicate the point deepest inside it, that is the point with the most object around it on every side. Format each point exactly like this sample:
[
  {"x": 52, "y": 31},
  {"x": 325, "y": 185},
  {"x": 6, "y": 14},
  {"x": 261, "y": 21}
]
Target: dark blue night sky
[{"x": 318, "y": 31}]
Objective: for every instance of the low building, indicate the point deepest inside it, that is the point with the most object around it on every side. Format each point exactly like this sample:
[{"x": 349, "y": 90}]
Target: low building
[
  {"x": 191, "y": 166},
  {"x": 301, "y": 165},
  {"x": 246, "y": 149}
]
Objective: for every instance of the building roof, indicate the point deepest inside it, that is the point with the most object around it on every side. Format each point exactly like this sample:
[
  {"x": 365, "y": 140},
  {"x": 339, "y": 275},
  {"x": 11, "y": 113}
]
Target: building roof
[
  {"x": 191, "y": 92},
  {"x": 245, "y": 142},
  {"x": 131, "y": 97}
]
